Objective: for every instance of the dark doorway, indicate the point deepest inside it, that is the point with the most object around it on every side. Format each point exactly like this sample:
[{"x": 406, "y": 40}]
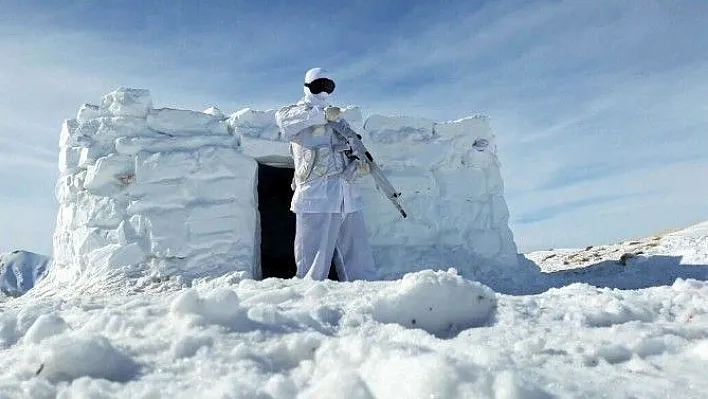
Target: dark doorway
[{"x": 277, "y": 222}]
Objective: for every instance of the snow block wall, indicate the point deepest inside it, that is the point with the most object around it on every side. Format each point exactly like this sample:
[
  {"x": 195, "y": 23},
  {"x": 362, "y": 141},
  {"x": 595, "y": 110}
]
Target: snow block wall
[
  {"x": 452, "y": 188},
  {"x": 174, "y": 192},
  {"x": 162, "y": 190}
]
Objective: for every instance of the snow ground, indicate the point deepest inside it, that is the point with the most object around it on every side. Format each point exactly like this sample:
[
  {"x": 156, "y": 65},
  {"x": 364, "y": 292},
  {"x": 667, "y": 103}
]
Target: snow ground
[{"x": 431, "y": 334}]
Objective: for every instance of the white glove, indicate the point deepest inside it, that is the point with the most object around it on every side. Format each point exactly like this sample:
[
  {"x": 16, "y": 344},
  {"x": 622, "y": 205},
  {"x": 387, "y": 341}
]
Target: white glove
[
  {"x": 356, "y": 170},
  {"x": 332, "y": 113},
  {"x": 363, "y": 168}
]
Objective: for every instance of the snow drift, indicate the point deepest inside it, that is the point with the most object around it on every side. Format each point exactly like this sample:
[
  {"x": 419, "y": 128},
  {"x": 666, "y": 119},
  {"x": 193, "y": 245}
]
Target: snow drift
[
  {"x": 293, "y": 338},
  {"x": 173, "y": 192},
  {"x": 428, "y": 334}
]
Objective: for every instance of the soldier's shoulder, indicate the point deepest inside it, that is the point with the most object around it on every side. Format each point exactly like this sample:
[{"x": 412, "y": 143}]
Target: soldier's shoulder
[{"x": 291, "y": 109}]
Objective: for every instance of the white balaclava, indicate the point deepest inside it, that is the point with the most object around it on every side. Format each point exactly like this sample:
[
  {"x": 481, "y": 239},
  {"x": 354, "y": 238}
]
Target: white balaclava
[{"x": 320, "y": 99}]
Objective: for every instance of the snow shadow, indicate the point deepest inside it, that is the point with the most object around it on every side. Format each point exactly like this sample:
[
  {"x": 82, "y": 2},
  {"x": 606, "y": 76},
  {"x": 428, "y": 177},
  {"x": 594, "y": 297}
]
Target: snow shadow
[{"x": 634, "y": 273}]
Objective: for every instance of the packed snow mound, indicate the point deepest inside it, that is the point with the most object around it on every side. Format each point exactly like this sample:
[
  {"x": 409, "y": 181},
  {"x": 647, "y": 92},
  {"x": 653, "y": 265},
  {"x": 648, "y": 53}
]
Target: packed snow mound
[
  {"x": 441, "y": 303},
  {"x": 74, "y": 355},
  {"x": 20, "y": 271},
  {"x": 159, "y": 191},
  {"x": 220, "y": 307}
]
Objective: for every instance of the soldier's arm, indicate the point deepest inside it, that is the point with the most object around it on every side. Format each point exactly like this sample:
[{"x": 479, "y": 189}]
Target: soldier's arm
[{"x": 295, "y": 118}]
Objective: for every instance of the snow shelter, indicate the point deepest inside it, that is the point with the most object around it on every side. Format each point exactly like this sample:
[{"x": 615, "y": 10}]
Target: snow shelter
[{"x": 201, "y": 194}]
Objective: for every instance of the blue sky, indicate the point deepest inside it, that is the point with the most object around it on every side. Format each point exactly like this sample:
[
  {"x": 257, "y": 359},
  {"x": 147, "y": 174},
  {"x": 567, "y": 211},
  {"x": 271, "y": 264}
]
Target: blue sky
[{"x": 600, "y": 107}]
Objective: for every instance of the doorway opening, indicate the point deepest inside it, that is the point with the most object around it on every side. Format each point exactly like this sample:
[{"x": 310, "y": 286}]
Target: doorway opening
[{"x": 277, "y": 221}]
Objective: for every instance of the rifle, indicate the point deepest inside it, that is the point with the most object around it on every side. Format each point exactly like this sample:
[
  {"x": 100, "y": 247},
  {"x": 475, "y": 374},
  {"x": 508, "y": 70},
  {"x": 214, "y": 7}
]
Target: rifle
[{"x": 358, "y": 151}]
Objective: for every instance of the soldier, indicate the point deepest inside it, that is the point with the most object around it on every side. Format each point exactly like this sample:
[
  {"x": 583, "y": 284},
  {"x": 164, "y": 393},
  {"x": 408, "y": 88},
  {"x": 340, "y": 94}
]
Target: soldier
[{"x": 328, "y": 207}]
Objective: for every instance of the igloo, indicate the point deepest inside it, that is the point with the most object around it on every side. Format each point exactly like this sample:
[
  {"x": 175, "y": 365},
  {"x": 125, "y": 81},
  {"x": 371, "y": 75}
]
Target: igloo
[{"x": 146, "y": 190}]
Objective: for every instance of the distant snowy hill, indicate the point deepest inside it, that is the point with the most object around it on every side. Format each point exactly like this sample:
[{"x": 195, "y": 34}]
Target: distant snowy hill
[
  {"x": 572, "y": 333},
  {"x": 641, "y": 263},
  {"x": 20, "y": 270}
]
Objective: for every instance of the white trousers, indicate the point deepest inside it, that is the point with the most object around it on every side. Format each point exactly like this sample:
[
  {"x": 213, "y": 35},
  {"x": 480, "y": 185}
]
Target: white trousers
[{"x": 321, "y": 238}]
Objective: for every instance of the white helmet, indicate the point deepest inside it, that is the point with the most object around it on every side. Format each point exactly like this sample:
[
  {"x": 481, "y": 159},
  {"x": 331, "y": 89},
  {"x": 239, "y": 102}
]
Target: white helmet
[{"x": 318, "y": 86}]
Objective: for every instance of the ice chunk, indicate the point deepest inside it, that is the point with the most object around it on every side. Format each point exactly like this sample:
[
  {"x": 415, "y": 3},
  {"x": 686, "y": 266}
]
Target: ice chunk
[
  {"x": 89, "y": 155},
  {"x": 88, "y": 112},
  {"x": 67, "y": 137},
  {"x": 439, "y": 302},
  {"x": 111, "y": 128},
  {"x": 86, "y": 130},
  {"x": 66, "y": 189},
  {"x": 177, "y": 122},
  {"x": 220, "y": 306},
  {"x": 128, "y": 102},
  {"x": 109, "y": 175},
  {"x": 69, "y": 159},
  {"x": 253, "y": 123}
]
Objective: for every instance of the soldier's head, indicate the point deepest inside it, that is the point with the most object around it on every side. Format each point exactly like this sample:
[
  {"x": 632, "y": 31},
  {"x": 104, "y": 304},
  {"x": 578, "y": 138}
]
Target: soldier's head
[{"x": 318, "y": 85}]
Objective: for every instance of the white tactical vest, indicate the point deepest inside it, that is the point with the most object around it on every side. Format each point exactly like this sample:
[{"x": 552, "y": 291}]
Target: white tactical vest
[{"x": 319, "y": 161}]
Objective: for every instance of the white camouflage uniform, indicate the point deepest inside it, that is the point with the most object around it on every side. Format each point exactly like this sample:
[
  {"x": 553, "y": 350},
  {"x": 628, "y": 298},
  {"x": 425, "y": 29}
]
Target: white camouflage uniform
[{"x": 328, "y": 208}]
